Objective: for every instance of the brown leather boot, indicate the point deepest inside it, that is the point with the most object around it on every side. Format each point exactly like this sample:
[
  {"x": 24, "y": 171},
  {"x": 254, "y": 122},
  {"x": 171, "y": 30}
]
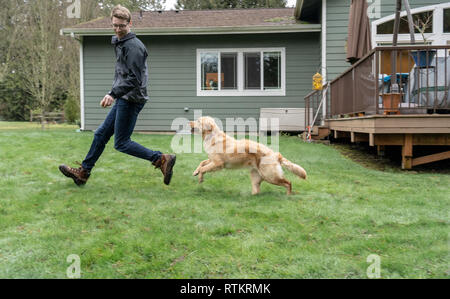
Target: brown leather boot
[
  {"x": 79, "y": 175},
  {"x": 166, "y": 163}
]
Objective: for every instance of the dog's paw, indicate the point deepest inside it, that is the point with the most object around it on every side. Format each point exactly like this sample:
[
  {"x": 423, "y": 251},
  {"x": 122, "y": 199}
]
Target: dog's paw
[{"x": 195, "y": 173}]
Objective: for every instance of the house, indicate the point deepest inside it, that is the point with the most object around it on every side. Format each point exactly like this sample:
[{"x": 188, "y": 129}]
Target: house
[
  {"x": 210, "y": 60},
  {"x": 186, "y": 50},
  {"x": 393, "y": 96}
]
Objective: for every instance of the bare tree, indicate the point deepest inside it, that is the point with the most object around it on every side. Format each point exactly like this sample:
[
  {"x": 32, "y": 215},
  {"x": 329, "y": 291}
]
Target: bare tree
[
  {"x": 133, "y": 5},
  {"x": 10, "y": 26},
  {"x": 46, "y": 64},
  {"x": 42, "y": 51}
]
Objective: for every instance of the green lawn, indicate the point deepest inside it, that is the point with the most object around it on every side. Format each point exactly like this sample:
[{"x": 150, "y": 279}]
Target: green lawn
[{"x": 125, "y": 223}]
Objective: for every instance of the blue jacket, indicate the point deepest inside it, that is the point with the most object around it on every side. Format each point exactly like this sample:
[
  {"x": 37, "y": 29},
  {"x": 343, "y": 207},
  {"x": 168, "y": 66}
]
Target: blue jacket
[{"x": 131, "y": 75}]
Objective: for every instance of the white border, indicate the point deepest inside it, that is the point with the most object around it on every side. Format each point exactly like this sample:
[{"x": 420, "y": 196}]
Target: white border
[
  {"x": 81, "y": 84},
  {"x": 438, "y": 37},
  {"x": 240, "y": 74}
]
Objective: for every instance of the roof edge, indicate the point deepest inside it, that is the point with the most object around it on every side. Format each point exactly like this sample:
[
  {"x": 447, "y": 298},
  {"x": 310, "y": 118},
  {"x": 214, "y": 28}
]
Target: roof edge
[
  {"x": 198, "y": 30},
  {"x": 308, "y": 10},
  {"x": 298, "y": 9}
]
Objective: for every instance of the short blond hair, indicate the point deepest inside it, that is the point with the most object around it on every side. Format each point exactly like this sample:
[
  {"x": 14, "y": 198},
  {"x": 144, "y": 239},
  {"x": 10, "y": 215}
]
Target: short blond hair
[{"x": 121, "y": 12}]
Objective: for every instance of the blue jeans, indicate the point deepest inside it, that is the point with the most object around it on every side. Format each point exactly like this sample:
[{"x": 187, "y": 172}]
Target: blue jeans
[{"x": 119, "y": 122}]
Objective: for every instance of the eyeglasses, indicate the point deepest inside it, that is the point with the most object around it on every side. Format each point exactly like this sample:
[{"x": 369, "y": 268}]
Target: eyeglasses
[{"x": 121, "y": 26}]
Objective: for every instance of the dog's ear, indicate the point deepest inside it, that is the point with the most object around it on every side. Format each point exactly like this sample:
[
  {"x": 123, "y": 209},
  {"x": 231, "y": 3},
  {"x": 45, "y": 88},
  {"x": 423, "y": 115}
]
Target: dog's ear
[
  {"x": 206, "y": 126},
  {"x": 209, "y": 124}
]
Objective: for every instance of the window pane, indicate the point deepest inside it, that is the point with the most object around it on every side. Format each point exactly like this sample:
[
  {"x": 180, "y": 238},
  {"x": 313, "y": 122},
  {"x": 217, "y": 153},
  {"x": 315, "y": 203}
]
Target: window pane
[
  {"x": 209, "y": 67},
  {"x": 252, "y": 70},
  {"x": 447, "y": 20},
  {"x": 419, "y": 19},
  {"x": 228, "y": 67},
  {"x": 272, "y": 70}
]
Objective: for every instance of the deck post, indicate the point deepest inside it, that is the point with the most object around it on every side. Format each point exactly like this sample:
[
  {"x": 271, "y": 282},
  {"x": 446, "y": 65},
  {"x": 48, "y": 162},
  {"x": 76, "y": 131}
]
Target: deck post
[{"x": 407, "y": 151}]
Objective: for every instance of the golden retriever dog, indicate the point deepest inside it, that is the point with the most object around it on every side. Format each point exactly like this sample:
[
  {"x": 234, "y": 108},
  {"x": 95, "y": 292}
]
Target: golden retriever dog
[{"x": 226, "y": 152}]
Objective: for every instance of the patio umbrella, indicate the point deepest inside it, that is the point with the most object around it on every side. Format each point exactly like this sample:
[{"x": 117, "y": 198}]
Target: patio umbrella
[{"x": 359, "y": 40}]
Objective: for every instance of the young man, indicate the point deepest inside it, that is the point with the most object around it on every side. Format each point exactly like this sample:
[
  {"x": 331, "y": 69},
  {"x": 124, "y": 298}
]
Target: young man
[{"x": 129, "y": 91}]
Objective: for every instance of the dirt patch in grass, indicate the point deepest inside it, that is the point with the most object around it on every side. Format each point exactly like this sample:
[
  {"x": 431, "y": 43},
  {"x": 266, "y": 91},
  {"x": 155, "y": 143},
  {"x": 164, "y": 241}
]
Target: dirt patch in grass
[{"x": 367, "y": 156}]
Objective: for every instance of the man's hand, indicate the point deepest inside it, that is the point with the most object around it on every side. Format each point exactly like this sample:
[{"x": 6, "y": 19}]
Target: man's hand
[{"x": 107, "y": 101}]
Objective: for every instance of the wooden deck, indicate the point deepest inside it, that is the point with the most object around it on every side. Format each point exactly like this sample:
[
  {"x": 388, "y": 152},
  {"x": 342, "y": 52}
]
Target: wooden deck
[{"x": 404, "y": 130}]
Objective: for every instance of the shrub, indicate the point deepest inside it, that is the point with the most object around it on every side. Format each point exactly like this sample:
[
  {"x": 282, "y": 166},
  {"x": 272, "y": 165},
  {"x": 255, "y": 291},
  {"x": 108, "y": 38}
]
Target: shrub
[
  {"x": 15, "y": 102},
  {"x": 72, "y": 110}
]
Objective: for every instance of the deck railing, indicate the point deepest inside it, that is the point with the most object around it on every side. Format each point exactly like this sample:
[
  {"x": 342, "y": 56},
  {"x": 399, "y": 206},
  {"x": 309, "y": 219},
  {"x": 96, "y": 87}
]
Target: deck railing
[
  {"x": 313, "y": 107},
  {"x": 420, "y": 85}
]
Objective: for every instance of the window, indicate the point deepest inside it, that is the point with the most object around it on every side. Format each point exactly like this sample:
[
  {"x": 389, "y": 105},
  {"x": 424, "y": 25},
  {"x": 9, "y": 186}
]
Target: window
[
  {"x": 272, "y": 70},
  {"x": 241, "y": 72},
  {"x": 252, "y": 70},
  {"x": 228, "y": 63},
  {"x": 210, "y": 65},
  {"x": 437, "y": 30},
  {"x": 419, "y": 19},
  {"x": 447, "y": 20}
]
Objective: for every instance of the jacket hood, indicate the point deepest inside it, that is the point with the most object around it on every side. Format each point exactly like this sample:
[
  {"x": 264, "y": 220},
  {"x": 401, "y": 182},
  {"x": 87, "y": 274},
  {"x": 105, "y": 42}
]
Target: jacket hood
[{"x": 115, "y": 40}]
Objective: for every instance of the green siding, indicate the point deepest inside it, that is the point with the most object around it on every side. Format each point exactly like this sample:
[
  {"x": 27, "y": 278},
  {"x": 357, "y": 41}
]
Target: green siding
[
  {"x": 337, "y": 29},
  {"x": 172, "y": 77}
]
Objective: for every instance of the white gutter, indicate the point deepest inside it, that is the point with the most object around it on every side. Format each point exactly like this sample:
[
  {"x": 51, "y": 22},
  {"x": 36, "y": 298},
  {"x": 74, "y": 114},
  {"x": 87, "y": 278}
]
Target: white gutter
[{"x": 200, "y": 30}]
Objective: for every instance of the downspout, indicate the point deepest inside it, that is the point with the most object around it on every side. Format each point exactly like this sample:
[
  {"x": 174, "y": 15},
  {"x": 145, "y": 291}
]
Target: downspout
[
  {"x": 324, "y": 40},
  {"x": 80, "y": 41},
  {"x": 82, "y": 120},
  {"x": 324, "y": 53}
]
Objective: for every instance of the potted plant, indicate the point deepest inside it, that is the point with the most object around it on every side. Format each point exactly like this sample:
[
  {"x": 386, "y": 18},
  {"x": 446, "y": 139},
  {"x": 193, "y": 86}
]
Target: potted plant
[
  {"x": 391, "y": 101},
  {"x": 423, "y": 58}
]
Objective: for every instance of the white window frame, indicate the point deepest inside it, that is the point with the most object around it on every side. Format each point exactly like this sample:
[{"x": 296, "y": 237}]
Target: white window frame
[
  {"x": 240, "y": 91},
  {"x": 437, "y": 37}
]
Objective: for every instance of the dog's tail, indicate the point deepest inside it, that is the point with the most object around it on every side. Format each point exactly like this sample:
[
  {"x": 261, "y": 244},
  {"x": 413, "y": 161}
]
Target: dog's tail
[{"x": 292, "y": 167}]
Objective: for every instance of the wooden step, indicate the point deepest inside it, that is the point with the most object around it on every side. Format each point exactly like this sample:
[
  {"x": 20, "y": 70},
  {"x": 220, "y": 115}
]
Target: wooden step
[
  {"x": 317, "y": 133},
  {"x": 321, "y": 133}
]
